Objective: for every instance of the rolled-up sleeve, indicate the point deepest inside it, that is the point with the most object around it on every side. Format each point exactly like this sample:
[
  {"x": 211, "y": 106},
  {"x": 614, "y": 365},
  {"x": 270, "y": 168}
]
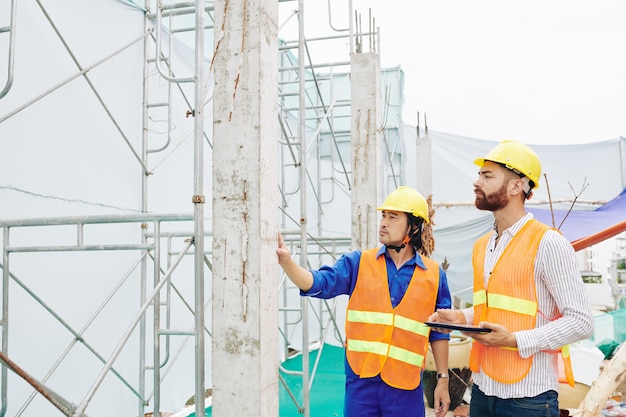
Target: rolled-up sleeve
[{"x": 340, "y": 278}]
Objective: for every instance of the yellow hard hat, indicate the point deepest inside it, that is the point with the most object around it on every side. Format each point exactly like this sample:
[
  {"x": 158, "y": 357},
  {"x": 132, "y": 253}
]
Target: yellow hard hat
[
  {"x": 515, "y": 156},
  {"x": 408, "y": 200}
]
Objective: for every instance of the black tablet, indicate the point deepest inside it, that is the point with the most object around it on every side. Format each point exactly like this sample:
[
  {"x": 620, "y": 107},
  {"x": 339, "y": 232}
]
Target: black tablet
[{"x": 460, "y": 327}]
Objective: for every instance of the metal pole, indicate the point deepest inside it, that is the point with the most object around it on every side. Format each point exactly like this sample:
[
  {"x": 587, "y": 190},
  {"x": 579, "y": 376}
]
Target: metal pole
[
  {"x": 198, "y": 202},
  {"x": 10, "y": 61},
  {"x": 5, "y": 319},
  {"x": 141, "y": 405},
  {"x": 303, "y": 206}
]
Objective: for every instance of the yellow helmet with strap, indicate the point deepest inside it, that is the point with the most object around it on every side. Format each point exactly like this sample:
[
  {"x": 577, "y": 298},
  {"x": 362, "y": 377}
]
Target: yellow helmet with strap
[
  {"x": 517, "y": 157},
  {"x": 407, "y": 200}
]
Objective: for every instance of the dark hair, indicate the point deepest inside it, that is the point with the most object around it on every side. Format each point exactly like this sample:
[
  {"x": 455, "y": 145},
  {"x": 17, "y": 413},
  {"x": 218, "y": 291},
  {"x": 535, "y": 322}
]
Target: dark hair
[
  {"x": 415, "y": 235},
  {"x": 516, "y": 173}
]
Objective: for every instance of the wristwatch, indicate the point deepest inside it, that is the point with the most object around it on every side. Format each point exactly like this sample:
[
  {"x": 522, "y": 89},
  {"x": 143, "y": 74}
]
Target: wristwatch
[{"x": 439, "y": 376}]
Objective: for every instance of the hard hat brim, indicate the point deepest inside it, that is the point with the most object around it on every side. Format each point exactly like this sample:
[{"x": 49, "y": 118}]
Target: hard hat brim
[{"x": 479, "y": 161}]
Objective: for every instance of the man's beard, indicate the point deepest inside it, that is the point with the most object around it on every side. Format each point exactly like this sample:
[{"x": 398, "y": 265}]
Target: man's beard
[{"x": 494, "y": 201}]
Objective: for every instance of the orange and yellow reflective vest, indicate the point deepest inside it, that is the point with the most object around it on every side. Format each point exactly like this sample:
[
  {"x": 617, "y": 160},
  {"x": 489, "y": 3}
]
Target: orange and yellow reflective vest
[
  {"x": 384, "y": 340},
  {"x": 510, "y": 299}
]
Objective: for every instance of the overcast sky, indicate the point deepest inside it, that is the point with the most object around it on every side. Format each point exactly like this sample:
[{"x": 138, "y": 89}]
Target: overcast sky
[{"x": 540, "y": 71}]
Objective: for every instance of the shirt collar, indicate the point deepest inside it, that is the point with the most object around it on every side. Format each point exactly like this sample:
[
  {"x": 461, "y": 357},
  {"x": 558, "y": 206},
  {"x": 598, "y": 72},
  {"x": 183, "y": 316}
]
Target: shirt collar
[
  {"x": 416, "y": 260},
  {"x": 514, "y": 228}
]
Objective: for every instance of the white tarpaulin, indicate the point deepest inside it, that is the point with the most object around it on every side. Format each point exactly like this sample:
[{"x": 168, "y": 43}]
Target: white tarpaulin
[{"x": 595, "y": 173}]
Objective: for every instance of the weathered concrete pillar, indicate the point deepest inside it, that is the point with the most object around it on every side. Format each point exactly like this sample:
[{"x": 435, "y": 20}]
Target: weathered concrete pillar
[
  {"x": 367, "y": 175},
  {"x": 245, "y": 132}
]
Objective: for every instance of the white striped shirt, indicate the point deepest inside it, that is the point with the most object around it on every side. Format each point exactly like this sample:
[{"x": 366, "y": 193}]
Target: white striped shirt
[{"x": 559, "y": 289}]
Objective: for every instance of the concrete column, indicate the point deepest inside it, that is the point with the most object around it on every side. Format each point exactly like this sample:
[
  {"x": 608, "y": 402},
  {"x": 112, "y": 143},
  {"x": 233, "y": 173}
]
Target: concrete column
[
  {"x": 424, "y": 165},
  {"x": 367, "y": 174},
  {"x": 245, "y": 198}
]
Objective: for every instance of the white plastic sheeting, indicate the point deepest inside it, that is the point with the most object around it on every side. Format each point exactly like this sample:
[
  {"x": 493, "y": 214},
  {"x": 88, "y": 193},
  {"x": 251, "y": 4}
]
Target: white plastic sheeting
[
  {"x": 594, "y": 173},
  {"x": 70, "y": 145}
]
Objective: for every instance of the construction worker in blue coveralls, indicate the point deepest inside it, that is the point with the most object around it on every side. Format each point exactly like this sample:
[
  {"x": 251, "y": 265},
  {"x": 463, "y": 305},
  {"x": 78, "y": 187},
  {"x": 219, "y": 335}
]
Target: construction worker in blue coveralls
[
  {"x": 527, "y": 291},
  {"x": 392, "y": 291}
]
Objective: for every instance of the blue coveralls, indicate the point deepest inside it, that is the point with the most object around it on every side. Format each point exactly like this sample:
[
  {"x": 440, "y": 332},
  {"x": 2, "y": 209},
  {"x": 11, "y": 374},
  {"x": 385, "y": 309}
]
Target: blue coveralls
[{"x": 372, "y": 397}]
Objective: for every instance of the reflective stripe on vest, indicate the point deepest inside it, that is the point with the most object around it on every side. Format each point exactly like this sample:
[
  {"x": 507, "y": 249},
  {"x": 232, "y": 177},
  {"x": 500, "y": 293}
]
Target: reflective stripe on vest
[
  {"x": 497, "y": 304},
  {"x": 515, "y": 305},
  {"x": 385, "y": 349},
  {"x": 386, "y": 341},
  {"x": 480, "y": 297},
  {"x": 412, "y": 326},
  {"x": 370, "y": 317},
  {"x": 505, "y": 302},
  {"x": 407, "y": 356},
  {"x": 364, "y": 346}
]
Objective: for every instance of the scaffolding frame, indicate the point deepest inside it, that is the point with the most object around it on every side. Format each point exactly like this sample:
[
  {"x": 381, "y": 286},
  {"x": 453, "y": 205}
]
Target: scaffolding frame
[
  {"x": 10, "y": 29},
  {"x": 314, "y": 140}
]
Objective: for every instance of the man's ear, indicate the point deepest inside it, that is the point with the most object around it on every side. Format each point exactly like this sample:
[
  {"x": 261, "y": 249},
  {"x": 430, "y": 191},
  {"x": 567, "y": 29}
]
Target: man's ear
[{"x": 517, "y": 187}]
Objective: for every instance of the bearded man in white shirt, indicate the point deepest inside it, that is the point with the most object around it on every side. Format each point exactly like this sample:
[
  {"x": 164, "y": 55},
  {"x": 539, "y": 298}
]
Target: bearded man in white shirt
[{"x": 527, "y": 290}]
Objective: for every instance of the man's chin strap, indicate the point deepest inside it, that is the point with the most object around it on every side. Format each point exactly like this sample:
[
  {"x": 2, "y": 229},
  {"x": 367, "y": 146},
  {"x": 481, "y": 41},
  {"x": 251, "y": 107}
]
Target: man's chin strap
[{"x": 406, "y": 240}]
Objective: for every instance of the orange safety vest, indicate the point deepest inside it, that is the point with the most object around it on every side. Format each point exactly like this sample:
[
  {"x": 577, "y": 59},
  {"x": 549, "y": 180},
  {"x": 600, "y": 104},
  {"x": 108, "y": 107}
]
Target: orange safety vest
[
  {"x": 389, "y": 341},
  {"x": 510, "y": 300}
]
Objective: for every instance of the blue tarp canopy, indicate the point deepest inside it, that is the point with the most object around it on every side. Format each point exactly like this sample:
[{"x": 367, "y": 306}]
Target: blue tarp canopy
[{"x": 587, "y": 227}]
